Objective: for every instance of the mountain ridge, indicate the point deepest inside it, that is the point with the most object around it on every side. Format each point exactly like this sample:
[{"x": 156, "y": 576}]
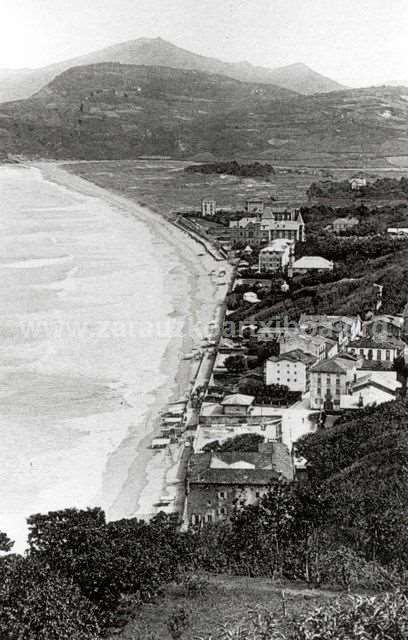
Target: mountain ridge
[
  {"x": 115, "y": 111},
  {"x": 155, "y": 51}
]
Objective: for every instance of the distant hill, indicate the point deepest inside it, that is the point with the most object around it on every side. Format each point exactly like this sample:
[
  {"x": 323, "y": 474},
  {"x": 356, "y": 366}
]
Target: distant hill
[
  {"x": 111, "y": 110},
  {"x": 158, "y": 52}
]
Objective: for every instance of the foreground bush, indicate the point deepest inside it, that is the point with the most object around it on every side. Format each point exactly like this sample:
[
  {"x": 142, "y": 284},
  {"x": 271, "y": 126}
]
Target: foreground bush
[
  {"x": 353, "y": 618},
  {"x": 38, "y": 604},
  {"x": 378, "y": 618}
]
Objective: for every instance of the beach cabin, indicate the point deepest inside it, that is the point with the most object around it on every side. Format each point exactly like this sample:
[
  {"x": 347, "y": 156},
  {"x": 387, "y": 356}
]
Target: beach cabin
[{"x": 160, "y": 443}]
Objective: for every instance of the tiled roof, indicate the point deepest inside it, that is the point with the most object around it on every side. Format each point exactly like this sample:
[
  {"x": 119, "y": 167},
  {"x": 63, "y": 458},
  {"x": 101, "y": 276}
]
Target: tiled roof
[
  {"x": 296, "y": 355},
  {"x": 334, "y": 365},
  {"x": 371, "y": 343},
  {"x": 268, "y": 465}
]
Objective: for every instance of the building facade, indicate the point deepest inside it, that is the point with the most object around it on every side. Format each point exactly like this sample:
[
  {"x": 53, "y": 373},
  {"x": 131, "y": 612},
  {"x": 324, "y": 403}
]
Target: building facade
[
  {"x": 276, "y": 256},
  {"x": 330, "y": 379},
  {"x": 291, "y": 369},
  {"x": 216, "y": 480},
  {"x": 208, "y": 208}
]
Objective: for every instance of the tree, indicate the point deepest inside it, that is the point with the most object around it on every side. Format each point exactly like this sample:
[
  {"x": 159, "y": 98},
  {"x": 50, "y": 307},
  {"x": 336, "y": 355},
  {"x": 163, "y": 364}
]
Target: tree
[
  {"x": 36, "y": 602},
  {"x": 5, "y": 543},
  {"x": 243, "y": 442},
  {"x": 236, "y": 363},
  {"x": 401, "y": 367}
]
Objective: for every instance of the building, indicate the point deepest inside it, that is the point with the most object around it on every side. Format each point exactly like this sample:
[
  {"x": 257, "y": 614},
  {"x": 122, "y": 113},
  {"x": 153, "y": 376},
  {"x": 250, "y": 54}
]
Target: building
[
  {"x": 276, "y": 256},
  {"x": 208, "y": 208},
  {"x": 272, "y": 224},
  {"x": 384, "y": 326},
  {"x": 291, "y": 369},
  {"x": 344, "y": 224},
  {"x": 376, "y": 352},
  {"x": 255, "y": 205},
  {"x": 343, "y": 329},
  {"x": 216, "y": 480},
  {"x": 398, "y": 231},
  {"x": 313, "y": 264},
  {"x": 283, "y": 223},
  {"x": 358, "y": 183},
  {"x": 313, "y": 345},
  {"x": 330, "y": 379},
  {"x": 237, "y": 404},
  {"x": 371, "y": 387}
]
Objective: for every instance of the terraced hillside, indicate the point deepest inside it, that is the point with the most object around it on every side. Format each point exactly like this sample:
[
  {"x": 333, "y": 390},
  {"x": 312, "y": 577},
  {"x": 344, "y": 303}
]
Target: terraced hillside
[{"x": 115, "y": 111}]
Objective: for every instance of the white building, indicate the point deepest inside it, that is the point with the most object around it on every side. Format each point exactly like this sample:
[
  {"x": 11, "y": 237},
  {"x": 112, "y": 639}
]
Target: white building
[
  {"x": 291, "y": 369},
  {"x": 208, "y": 208},
  {"x": 255, "y": 205},
  {"x": 358, "y": 183},
  {"x": 315, "y": 264},
  {"x": 376, "y": 351},
  {"x": 275, "y": 257},
  {"x": 343, "y": 329}
]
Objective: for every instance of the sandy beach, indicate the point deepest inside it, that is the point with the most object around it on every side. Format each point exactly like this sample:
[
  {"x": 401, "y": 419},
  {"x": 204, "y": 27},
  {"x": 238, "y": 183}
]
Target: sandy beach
[{"x": 105, "y": 458}]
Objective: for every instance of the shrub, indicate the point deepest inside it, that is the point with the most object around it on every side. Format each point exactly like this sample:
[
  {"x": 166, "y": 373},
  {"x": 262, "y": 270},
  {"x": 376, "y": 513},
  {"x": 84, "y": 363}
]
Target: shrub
[
  {"x": 195, "y": 585},
  {"x": 377, "y": 618}
]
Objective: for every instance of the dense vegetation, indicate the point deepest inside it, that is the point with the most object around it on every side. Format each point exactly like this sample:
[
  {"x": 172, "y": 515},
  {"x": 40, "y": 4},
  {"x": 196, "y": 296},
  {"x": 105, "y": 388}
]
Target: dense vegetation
[
  {"x": 346, "y": 526},
  {"x": 233, "y": 168},
  {"x": 380, "y": 188}
]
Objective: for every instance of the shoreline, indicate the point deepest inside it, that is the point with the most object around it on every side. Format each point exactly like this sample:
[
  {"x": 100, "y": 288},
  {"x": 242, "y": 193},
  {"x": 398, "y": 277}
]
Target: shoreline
[{"x": 151, "y": 473}]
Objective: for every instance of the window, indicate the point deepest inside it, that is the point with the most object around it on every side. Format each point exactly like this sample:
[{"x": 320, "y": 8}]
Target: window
[
  {"x": 257, "y": 494},
  {"x": 208, "y": 503},
  {"x": 387, "y": 355},
  {"x": 378, "y": 354},
  {"x": 223, "y": 511},
  {"x": 222, "y": 494}
]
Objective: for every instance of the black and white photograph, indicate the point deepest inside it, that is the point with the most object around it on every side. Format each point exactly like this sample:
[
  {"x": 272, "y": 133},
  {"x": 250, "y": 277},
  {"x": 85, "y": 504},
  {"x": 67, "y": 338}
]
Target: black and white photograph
[{"x": 203, "y": 320}]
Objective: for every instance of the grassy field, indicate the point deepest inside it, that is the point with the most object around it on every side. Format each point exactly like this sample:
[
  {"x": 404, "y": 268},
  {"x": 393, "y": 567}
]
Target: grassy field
[
  {"x": 163, "y": 186},
  {"x": 227, "y": 601}
]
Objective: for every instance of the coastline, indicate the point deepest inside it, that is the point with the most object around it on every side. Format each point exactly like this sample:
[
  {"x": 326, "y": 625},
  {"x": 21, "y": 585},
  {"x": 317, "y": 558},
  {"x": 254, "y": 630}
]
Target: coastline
[{"x": 152, "y": 473}]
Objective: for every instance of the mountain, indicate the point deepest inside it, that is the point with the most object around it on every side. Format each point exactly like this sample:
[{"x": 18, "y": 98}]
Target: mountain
[
  {"x": 110, "y": 110},
  {"x": 158, "y": 52},
  {"x": 301, "y": 78}
]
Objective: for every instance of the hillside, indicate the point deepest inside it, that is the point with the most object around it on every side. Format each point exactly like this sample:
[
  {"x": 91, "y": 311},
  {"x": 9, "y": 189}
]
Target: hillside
[
  {"x": 159, "y": 52},
  {"x": 124, "y": 111}
]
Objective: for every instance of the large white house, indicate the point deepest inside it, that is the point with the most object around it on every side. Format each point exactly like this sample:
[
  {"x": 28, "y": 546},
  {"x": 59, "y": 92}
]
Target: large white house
[
  {"x": 291, "y": 369},
  {"x": 377, "y": 351},
  {"x": 276, "y": 256}
]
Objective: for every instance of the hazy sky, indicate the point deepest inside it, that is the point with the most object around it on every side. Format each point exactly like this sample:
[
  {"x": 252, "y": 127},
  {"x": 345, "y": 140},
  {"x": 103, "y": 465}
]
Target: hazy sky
[{"x": 355, "y": 42}]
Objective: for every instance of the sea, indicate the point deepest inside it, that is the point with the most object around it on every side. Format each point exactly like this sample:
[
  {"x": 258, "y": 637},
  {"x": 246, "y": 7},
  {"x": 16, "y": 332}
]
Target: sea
[{"x": 87, "y": 314}]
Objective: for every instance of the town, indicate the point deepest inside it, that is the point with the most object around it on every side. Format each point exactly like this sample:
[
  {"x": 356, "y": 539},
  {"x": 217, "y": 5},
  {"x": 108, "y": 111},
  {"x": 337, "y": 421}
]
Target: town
[{"x": 267, "y": 380}]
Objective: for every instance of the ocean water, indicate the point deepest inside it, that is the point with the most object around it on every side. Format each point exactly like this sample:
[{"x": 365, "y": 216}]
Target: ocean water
[{"x": 80, "y": 361}]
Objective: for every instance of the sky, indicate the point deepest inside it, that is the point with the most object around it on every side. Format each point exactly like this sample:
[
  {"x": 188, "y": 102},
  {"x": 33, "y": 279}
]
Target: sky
[{"x": 356, "y": 43}]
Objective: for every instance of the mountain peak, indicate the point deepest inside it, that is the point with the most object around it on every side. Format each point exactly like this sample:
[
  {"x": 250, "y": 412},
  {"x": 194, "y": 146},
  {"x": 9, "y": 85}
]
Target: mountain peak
[{"x": 157, "y": 51}]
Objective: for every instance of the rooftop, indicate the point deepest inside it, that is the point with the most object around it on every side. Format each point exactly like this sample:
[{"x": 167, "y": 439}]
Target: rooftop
[
  {"x": 238, "y": 399},
  {"x": 242, "y": 467},
  {"x": 373, "y": 343},
  {"x": 312, "y": 262},
  {"x": 296, "y": 355},
  {"x": 334, "y": 365}
]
